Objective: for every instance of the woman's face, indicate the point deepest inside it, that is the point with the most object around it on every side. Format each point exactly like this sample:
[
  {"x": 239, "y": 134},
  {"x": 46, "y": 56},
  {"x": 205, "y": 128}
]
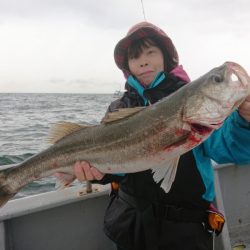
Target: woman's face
[{"x": 147, "y": 65}]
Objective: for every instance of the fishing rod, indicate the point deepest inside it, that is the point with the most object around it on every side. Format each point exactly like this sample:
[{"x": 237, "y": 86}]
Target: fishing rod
[{"x": 143, "y": 11}]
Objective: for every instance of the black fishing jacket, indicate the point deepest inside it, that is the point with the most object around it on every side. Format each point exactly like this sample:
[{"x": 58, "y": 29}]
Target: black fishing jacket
[{"x": 141, "y": 203}]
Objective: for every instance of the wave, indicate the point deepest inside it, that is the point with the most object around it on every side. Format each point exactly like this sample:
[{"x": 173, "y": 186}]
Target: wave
[
  {"x": 13, "y": 159},
  {"x": 26, "y": 119}
]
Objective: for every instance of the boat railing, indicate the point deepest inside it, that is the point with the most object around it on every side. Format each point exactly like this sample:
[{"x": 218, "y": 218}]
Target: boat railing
[{"x": 27, "y": 223}]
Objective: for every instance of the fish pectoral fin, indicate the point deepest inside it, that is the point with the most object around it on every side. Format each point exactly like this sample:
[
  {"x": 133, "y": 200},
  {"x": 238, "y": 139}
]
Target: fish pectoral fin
[
  {"x": 63, "y": 180},
  {"x": 121, "y": 114},
  {"x": 166, "y": 173},
  {"x": 62, "y": 129}
]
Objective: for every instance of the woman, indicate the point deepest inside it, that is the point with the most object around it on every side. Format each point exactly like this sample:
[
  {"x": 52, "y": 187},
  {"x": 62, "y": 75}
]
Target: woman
[{"x": 141, "y": 215}]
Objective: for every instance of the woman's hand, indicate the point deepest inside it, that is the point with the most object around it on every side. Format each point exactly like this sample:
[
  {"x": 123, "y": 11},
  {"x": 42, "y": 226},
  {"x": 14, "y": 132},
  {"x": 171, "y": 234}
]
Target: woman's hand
[
  {"x": 82, "y": 171},
  {"x": 85, "y": 172},
  {"x": 244, "y": 109}
]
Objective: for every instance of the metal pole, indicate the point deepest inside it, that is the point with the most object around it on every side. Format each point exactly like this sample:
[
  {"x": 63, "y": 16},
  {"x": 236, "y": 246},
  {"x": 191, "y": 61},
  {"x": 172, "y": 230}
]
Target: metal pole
[{"x": 88, "y": 187}]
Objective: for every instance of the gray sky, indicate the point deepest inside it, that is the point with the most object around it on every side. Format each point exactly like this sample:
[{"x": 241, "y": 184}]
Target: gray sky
[{"x": 67, "y": 45}]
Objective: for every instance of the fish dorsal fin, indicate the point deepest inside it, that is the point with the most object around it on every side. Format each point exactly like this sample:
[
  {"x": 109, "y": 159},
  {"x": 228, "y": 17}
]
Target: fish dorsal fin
[
  {"x": 121, "y": 114},
  {"x": 61, "y": 129}
]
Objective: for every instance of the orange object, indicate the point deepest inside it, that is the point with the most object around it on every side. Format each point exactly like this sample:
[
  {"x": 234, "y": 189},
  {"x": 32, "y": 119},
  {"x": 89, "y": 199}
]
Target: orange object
[
  {"x": 114, "y": 186},
  {"x": 216, "y": 221}
]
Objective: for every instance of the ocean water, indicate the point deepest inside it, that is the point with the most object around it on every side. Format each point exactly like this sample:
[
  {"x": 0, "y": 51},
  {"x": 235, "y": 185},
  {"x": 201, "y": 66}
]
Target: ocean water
[{"x": 25, "y": 120}]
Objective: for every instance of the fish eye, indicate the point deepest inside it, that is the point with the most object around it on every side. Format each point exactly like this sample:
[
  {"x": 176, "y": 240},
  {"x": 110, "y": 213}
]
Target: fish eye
[{"x": 217, "y": 78}]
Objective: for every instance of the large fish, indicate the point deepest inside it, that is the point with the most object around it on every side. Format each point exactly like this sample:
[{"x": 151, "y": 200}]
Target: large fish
[{"x": 133, "y": 140}]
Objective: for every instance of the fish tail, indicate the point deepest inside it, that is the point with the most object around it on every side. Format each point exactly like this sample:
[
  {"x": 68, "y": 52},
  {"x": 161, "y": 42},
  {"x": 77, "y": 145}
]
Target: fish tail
[{"x": 6, "y": 192}]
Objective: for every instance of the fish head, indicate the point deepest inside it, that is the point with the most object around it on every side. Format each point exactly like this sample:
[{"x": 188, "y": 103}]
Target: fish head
[{"x": 214, "y": 96}]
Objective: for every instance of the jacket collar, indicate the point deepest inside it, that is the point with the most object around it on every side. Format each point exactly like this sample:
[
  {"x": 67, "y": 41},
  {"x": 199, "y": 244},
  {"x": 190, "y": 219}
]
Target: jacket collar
[{"x": 132, "y": 82}]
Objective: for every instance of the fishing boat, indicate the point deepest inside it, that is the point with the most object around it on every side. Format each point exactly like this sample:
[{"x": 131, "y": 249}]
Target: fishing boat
[
  {"x": 72, "y": 219},
  {"x": 118, "y": 93}
]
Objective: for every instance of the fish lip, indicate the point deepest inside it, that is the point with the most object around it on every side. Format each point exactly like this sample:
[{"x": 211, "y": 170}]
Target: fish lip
[
  {"x": 241, "y": 74},
  {"x": 215, "y": 125},
  {"x": 208, "y": 123}
]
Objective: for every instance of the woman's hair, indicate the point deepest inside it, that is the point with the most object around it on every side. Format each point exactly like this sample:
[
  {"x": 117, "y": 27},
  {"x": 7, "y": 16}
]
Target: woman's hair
[{"x": 136, "y": 48}]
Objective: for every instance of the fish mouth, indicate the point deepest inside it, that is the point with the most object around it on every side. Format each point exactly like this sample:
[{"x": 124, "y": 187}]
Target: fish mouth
[
  {"x": 204, "y": 129},
  {"x": 201, "y": 129}
]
